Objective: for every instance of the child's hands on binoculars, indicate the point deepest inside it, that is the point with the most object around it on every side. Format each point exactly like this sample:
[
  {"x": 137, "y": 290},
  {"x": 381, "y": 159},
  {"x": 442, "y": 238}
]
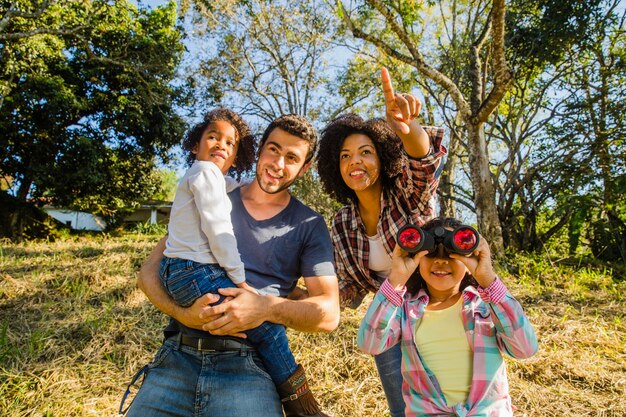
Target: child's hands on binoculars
[
  {"x": 479, "y": 263},
  {"x": 463, "y": 244}
]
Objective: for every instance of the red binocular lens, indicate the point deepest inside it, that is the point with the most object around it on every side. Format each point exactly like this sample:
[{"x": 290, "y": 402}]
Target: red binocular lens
[{"x": 462, "y": 240}]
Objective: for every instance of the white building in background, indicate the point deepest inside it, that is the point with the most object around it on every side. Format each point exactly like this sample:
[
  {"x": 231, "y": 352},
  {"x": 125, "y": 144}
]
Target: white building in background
[
  {"x": 76, "y": 220},
  {"x": 151, "y": 212}
]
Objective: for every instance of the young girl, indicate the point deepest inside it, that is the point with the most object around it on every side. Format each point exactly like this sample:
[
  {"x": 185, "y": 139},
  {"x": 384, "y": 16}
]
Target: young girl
[
  {"x": 454, "y": 319},
  {"x": 201, "y": 253}
]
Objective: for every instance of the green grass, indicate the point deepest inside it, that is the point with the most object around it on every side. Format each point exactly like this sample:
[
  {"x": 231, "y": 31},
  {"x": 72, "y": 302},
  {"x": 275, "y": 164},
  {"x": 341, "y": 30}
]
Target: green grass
[{"x": 74, "y": 330}]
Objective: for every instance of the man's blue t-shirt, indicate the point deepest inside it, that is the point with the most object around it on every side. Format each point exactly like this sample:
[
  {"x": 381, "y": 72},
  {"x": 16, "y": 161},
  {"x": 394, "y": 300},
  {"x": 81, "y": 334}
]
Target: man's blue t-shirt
[{"x": 276, "y": 252}]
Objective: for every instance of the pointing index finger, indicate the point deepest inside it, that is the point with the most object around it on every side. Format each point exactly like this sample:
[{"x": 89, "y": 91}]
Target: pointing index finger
[{"x": 387, "y": 87}]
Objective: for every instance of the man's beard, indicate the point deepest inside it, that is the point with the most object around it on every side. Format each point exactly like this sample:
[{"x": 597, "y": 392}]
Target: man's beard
[{"x": 281, "y": 188}]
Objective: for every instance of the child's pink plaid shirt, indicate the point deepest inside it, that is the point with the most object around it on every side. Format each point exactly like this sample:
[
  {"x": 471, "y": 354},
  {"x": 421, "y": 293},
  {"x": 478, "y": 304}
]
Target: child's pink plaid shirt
[{"x": 494, "y": 324}]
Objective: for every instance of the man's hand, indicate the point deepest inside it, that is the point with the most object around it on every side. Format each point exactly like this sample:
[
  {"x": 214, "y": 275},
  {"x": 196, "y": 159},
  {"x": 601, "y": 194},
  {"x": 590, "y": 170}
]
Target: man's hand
[
  {"x": 192, "y": 316},
  {"x": 241, "y": 311},
  {"x": 148, "y": 281},
  {"x": 298, "y": 293}
]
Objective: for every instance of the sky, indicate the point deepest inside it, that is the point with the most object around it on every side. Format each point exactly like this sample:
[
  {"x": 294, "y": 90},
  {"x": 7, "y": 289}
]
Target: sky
[{"x": 152, "y": 3}]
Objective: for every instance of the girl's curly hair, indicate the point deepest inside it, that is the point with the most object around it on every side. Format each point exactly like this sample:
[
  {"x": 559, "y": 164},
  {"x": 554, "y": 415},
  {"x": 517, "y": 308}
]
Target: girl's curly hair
[
  {"x": 416, "y": 282},
  {"x": 388, "y": 148},
  {"x": 247, "y": 142}
]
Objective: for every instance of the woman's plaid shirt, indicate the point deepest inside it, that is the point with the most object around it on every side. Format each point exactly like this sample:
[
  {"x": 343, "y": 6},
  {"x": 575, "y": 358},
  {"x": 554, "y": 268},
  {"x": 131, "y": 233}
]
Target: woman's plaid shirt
[{"x": 410, "y": 200}]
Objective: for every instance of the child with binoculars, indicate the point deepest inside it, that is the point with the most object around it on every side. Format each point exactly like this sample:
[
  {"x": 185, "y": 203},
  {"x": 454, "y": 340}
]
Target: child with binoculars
[{"x": 454, "y": 320}]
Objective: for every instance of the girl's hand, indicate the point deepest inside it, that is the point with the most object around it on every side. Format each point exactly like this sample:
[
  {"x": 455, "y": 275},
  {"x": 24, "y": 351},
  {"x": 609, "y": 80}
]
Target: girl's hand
[
  {"x": 402, "y": 266},
  {"x": 401, "y": 109},
  {"x": 479, "y": 263},
  {"x": 245, "y": 286}
]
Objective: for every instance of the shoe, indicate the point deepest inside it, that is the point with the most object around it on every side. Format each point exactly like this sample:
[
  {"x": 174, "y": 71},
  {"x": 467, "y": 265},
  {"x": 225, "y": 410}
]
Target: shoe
[{"x": 297, "y": 398}]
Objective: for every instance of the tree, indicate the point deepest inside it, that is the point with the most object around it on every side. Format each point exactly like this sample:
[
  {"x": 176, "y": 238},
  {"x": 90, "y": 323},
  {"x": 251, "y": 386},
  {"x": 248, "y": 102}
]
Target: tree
[
  {"x": 87, "y": 101},
  {"x": 168, "y": 185},
  {"x": 396, "y": 29},
  {"x": 594, "y": 124},
  {"x": 269, "y": 57},
  {"x": 530, "y": 166},
  {"x": 463, "y": 57}
]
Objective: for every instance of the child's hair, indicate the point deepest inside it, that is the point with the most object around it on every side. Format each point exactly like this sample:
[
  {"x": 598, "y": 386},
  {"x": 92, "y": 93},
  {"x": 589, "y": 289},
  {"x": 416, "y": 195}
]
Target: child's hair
[
  {"x": 246, "y": 148},
  {"x": 388, "y": 148},
  {"x": 416, "y": 282},
  {"x": 295, "y": 125}
]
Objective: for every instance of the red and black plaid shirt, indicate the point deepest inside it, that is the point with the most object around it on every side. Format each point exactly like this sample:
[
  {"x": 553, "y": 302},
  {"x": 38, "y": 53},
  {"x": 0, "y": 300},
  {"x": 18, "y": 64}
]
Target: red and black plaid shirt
[{"x": 410, "y": 200}]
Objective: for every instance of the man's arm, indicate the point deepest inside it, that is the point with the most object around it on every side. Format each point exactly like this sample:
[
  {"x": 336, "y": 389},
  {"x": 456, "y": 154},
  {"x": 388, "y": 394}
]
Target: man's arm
[
  {"x": 148, "y": 281},
  {"x": 318, "y": 312}
]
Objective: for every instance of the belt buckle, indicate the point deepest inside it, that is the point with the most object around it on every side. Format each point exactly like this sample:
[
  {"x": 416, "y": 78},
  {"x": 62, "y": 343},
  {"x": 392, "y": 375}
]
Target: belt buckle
[{"x": 200, "y": 349}]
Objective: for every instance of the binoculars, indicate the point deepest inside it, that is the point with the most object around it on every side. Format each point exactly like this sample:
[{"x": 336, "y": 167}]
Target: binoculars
[{"x": 462, "y": 240}]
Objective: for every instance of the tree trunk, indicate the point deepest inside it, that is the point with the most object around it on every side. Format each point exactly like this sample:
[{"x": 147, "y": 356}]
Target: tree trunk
[
  {"x": 484, "y": 191},
  {"x": 447, "y": 207},
  {"x": 16, "y": 221}
]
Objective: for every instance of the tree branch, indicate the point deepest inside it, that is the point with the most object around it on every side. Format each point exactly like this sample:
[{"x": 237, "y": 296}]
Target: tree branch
[
  {"x": 415, "y": 59},
  {"x": 502, "y": 73}
]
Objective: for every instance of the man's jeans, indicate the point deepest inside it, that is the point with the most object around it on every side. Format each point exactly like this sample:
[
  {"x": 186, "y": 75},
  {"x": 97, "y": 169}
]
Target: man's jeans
[
  {"x": 184, "y": 382},
  {"x": 388, "y": 365},
  {"x": 186, "y": 280}
]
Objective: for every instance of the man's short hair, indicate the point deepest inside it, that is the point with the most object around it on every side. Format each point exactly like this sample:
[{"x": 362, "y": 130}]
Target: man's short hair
[{"x": 295, "y": 125}]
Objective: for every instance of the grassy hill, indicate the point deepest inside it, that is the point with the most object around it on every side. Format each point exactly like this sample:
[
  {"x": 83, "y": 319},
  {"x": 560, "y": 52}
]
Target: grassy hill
[{"x": 74, "y": 330}]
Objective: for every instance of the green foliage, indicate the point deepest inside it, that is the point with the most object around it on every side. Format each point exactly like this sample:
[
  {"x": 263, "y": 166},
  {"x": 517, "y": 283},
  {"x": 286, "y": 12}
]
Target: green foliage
[
  {"x": 608, "y": 239},
  {"x": 308, "y": 189},
  {"x": 88, "y": 101},
  {"x": 541, "y": 32},
  {"x": 592, "y": 126},
  {"x": 167, "y": 187},
  {"x": 149, "y": 229},
  {"x": 577, "y": 223},
  {"x": 267, "y": 58}
]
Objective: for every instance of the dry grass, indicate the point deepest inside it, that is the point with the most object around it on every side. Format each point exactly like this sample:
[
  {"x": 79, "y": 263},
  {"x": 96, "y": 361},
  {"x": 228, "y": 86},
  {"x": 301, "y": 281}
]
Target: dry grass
[{"x": 74, "y": 329}]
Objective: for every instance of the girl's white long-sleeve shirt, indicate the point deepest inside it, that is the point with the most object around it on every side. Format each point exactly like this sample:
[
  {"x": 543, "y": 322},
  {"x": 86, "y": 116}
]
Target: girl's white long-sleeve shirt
[{"x": 200, "y": 228}]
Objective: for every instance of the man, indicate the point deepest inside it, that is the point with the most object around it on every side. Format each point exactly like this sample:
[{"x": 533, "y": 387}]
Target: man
[{"x": 197, "y": 373}]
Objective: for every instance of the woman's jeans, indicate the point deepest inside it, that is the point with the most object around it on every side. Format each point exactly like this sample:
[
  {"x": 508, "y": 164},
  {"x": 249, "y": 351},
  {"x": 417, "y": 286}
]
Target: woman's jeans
[
  {"x": 184, "y": 382},
  {"x": 186, "y": 280},
  {"x": 388, "y": 365}
]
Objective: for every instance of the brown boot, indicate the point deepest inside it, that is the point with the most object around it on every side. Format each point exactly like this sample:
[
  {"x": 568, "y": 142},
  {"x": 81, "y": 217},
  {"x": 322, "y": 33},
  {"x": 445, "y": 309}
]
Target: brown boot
[{"x": 297, "y": 398}]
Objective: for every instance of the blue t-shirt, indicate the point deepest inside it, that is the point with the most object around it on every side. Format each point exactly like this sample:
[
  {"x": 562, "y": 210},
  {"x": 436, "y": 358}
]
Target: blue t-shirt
[{"x": 276, "y": 252}]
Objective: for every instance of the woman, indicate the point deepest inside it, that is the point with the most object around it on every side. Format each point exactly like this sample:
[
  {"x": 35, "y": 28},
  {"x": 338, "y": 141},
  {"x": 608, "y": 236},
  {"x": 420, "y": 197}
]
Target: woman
[{"x": 384, "y": 171}]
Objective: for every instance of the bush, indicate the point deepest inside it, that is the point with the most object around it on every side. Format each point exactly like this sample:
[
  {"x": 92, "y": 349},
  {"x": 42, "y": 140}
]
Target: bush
[
  {"x": 149, "y": 229},
  {"x": 608, "y": 240}
]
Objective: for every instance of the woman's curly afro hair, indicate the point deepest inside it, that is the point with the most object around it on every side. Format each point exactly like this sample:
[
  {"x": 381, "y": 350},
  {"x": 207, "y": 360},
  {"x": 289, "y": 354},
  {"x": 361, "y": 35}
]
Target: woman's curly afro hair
[
  {"x": 416, "y": 282},
  {"x": 388, "y": 147},
  {"x": 247, "y": 142}
]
